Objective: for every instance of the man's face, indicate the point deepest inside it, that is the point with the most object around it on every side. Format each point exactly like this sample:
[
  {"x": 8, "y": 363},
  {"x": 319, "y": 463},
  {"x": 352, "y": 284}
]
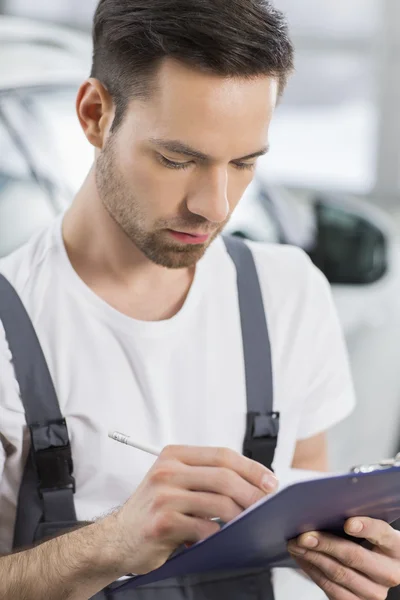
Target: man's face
[{"x": 177, "y": 166}]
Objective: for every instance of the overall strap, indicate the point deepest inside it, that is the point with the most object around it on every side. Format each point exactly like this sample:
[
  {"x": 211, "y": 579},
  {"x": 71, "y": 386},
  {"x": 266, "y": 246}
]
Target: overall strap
[
  {"x": 47, "y": 488},
  {"x": 262, "y": 422}
]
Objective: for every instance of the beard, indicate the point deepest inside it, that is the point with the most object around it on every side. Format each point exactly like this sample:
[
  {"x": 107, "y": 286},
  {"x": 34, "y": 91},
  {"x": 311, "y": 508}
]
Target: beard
[{"x": 127, "y": 212}]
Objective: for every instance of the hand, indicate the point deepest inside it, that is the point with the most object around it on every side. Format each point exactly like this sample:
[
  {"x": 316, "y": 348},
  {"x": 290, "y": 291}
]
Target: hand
[
  {"x": 184, "y": 489},
  {"x": 346, "y": 571}
]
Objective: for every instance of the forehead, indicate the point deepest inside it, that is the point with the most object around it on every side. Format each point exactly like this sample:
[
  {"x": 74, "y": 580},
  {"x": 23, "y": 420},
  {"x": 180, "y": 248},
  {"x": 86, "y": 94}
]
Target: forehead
[{"x": 205, "y": 110}]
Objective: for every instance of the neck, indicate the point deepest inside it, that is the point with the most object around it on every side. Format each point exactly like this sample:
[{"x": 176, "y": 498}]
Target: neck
[{"x": 112, "y": 265}]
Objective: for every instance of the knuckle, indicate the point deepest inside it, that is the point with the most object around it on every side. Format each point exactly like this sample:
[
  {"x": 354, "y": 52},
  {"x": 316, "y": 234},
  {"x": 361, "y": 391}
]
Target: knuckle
[
  {"x": 254, "y": 495},
  {"x": 327, "y": 586},
  {"x": 341, "y": 575},
  {"x": 354, "y": 560},
  {"x": 161, "y": 501},
  {"x": 379, "y": 533},
  {"x": 391, "y": 537},
  {"x": 226, "y": 480},
  {"x": 380, "y": 594},
  {"x": 395, "y": 537},
  {"x": 163, "y": 524},
  {"x": 162, "y": 471},
  {"x": 223, "y": 456},
  {"x": 393, "y": 579},
  {"x": 326, "y": 545},
  {"x": 168, "y": 452},
  {"x": 228, "y": 509},
  {"x": 384, "y": 537},
  {"x": 205, "y": 528},
  {"x": 256, "y": 470}
]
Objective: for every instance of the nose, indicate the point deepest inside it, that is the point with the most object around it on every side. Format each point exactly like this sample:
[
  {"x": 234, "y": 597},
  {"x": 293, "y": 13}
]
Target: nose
[{"x": 209, "y": 198}]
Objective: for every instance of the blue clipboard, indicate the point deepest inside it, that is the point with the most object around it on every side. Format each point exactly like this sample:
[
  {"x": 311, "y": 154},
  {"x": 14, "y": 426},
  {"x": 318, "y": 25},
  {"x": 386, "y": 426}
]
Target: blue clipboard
[{"x": 258, "y": 537}]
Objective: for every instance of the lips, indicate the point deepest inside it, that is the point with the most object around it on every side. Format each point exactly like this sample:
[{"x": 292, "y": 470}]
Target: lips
[{"x": 189, "y": 238}]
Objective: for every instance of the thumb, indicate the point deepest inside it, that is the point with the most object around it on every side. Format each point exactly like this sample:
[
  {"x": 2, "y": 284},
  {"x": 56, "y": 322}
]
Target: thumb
[{"x": 378, "y": 533}]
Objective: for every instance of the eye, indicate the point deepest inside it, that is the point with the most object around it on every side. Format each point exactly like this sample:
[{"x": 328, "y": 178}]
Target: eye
[
  {"x": 170, "y": 164},
  {"x": 245, "y": 166}
]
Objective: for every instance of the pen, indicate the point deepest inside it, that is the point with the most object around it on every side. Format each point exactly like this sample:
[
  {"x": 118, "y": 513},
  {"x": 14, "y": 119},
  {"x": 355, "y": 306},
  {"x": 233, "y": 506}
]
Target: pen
[{"x": 126, "y": 439}]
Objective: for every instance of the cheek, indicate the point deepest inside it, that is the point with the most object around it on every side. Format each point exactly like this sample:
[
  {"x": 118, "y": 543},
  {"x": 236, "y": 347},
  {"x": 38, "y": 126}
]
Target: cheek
[{"x": 159, "y": 189}]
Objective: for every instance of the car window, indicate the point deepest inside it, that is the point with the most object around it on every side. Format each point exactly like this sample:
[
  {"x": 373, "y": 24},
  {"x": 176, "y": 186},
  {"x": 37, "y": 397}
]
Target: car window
[{"x": 20, "y": 195}]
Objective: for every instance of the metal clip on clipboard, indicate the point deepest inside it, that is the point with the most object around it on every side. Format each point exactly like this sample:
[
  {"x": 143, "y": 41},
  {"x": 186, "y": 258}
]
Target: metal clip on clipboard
[{"x": 387, "y": 463}]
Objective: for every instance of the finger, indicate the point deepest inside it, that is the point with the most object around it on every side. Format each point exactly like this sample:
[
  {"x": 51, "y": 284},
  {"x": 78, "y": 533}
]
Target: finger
[
  {"x": 252, "y": 471},
  {"x": 332, "y": 590},
  {"x": 376, "y": 532},
  {"x": 206, "y": 479},
  {"x": 376, "y": 567},
  {"x": 199, "y": 504},
  {"x": 339, "y": 575},
  {"x": 225, "y": 483},
  {"x": 198, "y": 529}
]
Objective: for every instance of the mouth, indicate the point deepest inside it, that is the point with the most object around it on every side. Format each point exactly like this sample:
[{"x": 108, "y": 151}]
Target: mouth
[{"x": 189, "y": 238}]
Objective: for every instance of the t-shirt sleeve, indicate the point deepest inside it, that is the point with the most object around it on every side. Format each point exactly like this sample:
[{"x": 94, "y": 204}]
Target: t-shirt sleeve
[
  {"x": 313, "y": 387},
  {"x": 328, "y": 393}
]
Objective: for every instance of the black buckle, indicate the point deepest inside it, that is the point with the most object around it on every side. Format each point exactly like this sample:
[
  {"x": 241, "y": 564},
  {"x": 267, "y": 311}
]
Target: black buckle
[
  {"x": 54, "y": 467},
  {"x": 261, "y": 437},
  {"x": 52, "y": 456}
]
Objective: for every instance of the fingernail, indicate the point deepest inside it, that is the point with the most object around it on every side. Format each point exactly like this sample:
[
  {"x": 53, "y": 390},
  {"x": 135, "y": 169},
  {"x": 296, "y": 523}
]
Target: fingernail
[
  {"x": 269, "y": 482},
  {"x": 295, "y": 549},
  {"x": 355, "y": 526},
  {"x": 310, "y": 541}
]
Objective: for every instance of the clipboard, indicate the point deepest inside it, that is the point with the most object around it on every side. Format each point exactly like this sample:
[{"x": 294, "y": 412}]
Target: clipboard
[{"x": 258, "y": 536}]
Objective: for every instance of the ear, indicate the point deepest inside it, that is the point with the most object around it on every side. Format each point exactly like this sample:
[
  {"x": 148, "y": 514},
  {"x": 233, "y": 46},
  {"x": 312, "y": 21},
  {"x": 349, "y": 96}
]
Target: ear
[{"x": 96, "y": 111}]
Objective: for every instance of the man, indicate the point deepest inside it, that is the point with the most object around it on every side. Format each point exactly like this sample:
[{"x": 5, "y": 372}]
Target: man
[{"x": 134, "y": 299}]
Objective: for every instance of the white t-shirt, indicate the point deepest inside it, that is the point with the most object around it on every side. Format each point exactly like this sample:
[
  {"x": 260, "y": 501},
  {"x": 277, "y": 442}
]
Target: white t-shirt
[{"x": 177, "y": 381}]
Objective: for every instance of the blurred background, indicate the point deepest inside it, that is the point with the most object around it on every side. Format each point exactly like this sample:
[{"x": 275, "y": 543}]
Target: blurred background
[{"x": 330, "y": 183}]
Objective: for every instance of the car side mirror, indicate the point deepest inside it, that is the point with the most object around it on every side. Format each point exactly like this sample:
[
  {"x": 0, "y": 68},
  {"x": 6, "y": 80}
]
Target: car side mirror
[{"x": 349, "y": 249}]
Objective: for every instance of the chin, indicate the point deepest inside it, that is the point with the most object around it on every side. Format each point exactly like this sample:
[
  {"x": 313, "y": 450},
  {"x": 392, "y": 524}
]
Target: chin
[
  {"x": 176, "y": 258},
  {"x": 169, "y": 254},
  {"x": 180, "y": 260}
]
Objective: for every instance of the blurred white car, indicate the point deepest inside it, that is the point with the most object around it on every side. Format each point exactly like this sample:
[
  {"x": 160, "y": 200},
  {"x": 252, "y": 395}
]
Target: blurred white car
[{"x": 44, "y": 158}]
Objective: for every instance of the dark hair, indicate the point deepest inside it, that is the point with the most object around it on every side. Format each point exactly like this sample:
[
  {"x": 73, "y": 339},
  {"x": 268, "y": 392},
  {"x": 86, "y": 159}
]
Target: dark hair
[{"x": 231, "y": 38}]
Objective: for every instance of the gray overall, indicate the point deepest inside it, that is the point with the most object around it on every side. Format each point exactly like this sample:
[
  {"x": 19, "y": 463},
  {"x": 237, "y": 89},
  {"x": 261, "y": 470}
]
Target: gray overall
[{"x": 46, "y": 496}]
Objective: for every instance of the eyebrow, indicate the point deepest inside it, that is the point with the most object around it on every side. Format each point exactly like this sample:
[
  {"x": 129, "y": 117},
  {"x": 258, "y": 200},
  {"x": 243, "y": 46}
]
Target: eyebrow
[{"x": 178, "y": 147}]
